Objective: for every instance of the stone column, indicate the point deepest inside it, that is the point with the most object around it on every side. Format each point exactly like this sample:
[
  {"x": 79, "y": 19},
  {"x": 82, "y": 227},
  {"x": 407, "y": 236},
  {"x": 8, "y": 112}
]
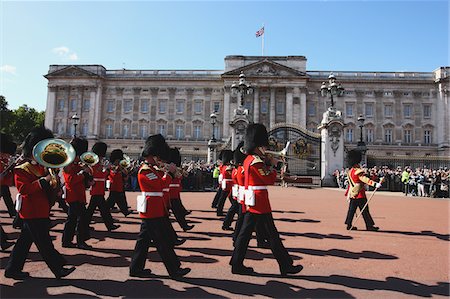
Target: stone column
[
  {"x": 303, "y": 108},
  {"x": 256, "y": 106},
  {"x": 272, "y": 108},
  {"x": 50, "y": 109},
  {"x": 289, "y": 105},
  {"x": 97, "y": 121},
  {"x": 226, "y": 113}
]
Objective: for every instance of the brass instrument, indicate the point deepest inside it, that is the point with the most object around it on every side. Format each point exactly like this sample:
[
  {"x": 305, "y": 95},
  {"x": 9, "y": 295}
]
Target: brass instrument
[
  {"x": 89, "y": 158},
  {"x": 284, "y": 157}
]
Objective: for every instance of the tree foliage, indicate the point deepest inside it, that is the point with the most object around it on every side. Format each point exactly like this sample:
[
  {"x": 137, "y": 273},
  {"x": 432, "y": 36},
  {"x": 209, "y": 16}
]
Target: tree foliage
[{"x": 20, "y": 121}]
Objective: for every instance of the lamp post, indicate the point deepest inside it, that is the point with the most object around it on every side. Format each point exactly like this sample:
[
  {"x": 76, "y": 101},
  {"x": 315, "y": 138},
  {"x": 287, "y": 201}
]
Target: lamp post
[
  {"x": 242, "y": 88},
  {"x": 212, "y": 142},
  {"x": 213, "y": 117},
  {"x": 75, "y": 120},
  {"x": 332, "y": 89},
  {"x": 361, "y": 144}
]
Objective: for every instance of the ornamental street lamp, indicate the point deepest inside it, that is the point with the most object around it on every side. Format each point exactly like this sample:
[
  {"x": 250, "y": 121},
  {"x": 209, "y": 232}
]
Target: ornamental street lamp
[
  {"x": 75, "y": 120},
  {"x": 242, "y": 88},
  {"x": 361, "y": 144},
  {"x": 332, "y": 89},
  {"x": 213, "y": 117}
]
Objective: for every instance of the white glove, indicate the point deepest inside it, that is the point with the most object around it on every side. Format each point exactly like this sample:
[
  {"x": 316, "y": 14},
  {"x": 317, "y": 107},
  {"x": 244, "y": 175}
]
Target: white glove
[{"x": 378, "y": 185}]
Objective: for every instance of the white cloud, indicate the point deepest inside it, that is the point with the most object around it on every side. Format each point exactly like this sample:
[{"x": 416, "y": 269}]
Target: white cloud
[
  {"x": 10, "y": 69},
  {"x": 65, "y": 53}
]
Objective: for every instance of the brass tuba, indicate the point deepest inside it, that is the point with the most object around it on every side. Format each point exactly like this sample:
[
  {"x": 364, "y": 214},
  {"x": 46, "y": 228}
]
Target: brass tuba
[
  {"x": 125, "y": 163},
  {"x": 89, "y": 158}
]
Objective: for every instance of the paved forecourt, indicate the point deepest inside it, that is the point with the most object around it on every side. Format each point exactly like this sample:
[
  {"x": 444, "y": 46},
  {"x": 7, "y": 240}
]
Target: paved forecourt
[{"x": 409, "y": 256}]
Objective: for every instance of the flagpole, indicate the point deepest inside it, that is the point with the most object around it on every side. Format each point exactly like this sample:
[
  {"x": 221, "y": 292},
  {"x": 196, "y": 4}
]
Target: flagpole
[{"x": 262, "y": 41}]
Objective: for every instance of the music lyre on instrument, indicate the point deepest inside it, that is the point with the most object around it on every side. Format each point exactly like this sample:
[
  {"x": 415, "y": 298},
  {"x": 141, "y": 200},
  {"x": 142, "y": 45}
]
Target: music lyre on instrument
[{"x": 283, "y": 154}]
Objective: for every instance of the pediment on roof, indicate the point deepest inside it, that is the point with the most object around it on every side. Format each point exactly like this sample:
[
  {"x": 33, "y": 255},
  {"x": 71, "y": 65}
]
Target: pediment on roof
[
  {"x": 265, "y": 68},
  {"x": 72, "y": 71}
]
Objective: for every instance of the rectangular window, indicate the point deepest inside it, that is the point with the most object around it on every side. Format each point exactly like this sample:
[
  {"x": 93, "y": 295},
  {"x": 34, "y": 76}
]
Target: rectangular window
[
  {"x": 86, "y": 105},
  {"x": 216, "y": 107},
  {"x": 197, "y": 132},
  {"x": 180, "y": 106},
  {"x": 427, "y": 136},
  {"x": 198, "y": 107},
  {"x": 84, "y": 129},
  {"x": 60, "y": 128},
  {"x": 349, "y": 135},
  {"x": 369, "y": 109},
  {"x": 110, "y": 106},
  {"x": 127, "y": 106},
  {"x": 109, "y": 130},
  {"x": 143, "y": 131},
  {"x": 311, "y": 109},
  {"x": 280, "y": 107},
  {"x": 179, "y": 131},
  {"x": 61, "y": 105},
  {"x": 144, "y": 106},
  {"x": 216, "y": 132},
  {"x": 426, "y": 111},
  {"x": 388, "y": 135},
  {"x": 349, "y": 109},
  {"x": 407, "y": 110},
  {"x": 388, "y": 93},
  {"x": 248, "y": 105},
  {"x": 369, "y": 135},
  {"x": 388, "y": 110},
  {"x": 162, "y": 106},
  {"x": 264, "y": 106},
  {"x": 73, "y": 105},
  {"x": 126, "y": 130},
  {"x": 162, "y": 129},
  {"x": 407, "y": 136}
]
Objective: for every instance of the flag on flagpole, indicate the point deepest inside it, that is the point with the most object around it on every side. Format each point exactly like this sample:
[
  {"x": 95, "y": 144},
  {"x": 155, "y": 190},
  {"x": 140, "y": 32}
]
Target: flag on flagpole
[{"x": 260, "y": 32}]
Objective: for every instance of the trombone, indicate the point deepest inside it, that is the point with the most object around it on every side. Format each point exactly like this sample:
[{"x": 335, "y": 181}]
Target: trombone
[{"x": 284, "y": 156}]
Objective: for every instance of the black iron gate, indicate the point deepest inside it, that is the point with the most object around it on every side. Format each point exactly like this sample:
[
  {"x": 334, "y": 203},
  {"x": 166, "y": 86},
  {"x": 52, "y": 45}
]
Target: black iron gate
[{"x": 304, "y": 151}]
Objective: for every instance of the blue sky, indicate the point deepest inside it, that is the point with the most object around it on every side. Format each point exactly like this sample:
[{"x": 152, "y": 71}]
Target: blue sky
[{"x": 333, "y": 35}]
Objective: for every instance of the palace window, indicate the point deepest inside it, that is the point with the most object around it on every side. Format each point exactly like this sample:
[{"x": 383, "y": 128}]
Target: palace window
[
  {"x": 61, "y": 105},
  {"x": 427, "y": 136},
  {"x": 109, "y": 131},
  {"x": 216, "y": 132},
  {"x": 388, "y": 111},
  {"x": 84, "y": 129},
  {"x": 60, "y": 128},
  {"x": 197, "y": 131},
  {"x": 162, "y": 129},
  {"x": 127, "y": 106},
  {"x": 143, "y": 128},
  {"x": 311, "y": 109},
  {"x": 144, "y": 106},
  {"x": 407, "y": 134},
  {"x": 280, "y": 107},
  {"x": 126, "y": 130},
  {"x": 248, "y": 105},
  {"x": 86, "y": 105},
  {"x": 110, "y": 106},
  {"x": 264, "y": 106},
  {"x": 162, "y": 106},
  {"x": 407, "y": 110},
  {"x": 388, "y": 135},
  {"x": 369, "y": 135},
  {"x": 216, "y": 107},
  {"x": 349, "y": 109},
  {"x": 387, "y": 93},
  {"x": 349, "y": 135},
  {"x": 180, "y": 106},
  {"x": 179, "y": 131},
  {"x": 369, "y": 109},
  {"x": 198, "y": 107},
  {"x": 427, "y": 111},
  {"x": 73, "y": 105}
]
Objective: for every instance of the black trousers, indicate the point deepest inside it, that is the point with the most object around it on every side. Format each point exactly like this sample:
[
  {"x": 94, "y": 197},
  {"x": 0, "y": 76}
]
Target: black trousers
[
  {"x": 239, "y": 221},
  {"x": 35, "y": 231},
  {"x": 216, "y": 198},
  {"x": 3, "y": 237},
  {"x": 178, "y": 211},
  {"x": 248, "y": 226},
  {"x": 221, "y": 202},
  {"x": 98, "y": 201},
  {"x": 156, "y": 230},
  {"x": 120, "y": 199},
  {"x": 234, "y": 208},
  {"x": 76, "y": 222},
  {"x": 6, "y": 195},
  {"x": 354, "y": 204}
]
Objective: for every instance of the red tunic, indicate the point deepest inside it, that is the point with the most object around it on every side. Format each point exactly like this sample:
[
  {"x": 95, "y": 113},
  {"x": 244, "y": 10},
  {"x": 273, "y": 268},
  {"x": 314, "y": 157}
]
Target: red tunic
[
  {"x": 100, "y": 175},
  {"x": 35, "y": 202},
  {"x": 175, "y": 188},
  {"x": 235, "y": 184},
  {"x": 74, "y": 182},
  {"x": 227, "y": 181},
  {"x": 241, "y": 182},
  {"x": 8, "y": 178},
  {"x": 116, "y": 181},
  {"x": 258, "y": 175},
  {"x": 152, "y": 183},
  {"x": 357, "y": 180}
]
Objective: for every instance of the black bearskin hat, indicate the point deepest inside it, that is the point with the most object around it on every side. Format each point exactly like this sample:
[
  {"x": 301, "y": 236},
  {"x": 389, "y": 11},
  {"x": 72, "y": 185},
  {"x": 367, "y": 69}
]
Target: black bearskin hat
[
  {"x": 175, "y": 157},
  {"x": 227, "y": 156},
  {"x": 238, "y": 155},
  {"x": 219, "y": 156},
  {"x": 80, "y": 145},
  {"x": 353, "y": 157},
  {"x": 255, "y": 136},
  {"x": 36, "y": 134},
  {"x": 156, "y": 145},
  {"x": 116, "y": 154},
  {"x": 100, "y": 148}
]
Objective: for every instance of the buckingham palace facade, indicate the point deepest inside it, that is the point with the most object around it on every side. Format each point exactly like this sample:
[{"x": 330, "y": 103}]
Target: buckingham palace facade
[{"x": 406, "y": 113}]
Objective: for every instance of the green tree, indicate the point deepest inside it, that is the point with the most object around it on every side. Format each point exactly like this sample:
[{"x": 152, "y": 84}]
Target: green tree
[
  {"x": 23, "y": 120},
  {"x": 5, "y": 115}
]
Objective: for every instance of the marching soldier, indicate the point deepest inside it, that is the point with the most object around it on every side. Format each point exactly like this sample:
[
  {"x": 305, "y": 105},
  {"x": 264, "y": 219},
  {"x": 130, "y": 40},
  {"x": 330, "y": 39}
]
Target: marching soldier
[
  {"x": 226, "y": 182},
  {"x": 238, "y": 179},
  {"x": 77, "y": 178},
  {"x": 356, "y": 191},
  {"x": 234, "y": 194},
  {"x": 7, "y": 150},
  {"x": 259, "y": 173},
  {"x": 33, "y": 184},
  {"x": 219, "y": 180},
  {"x": 152, "y": 211},
  {"x": 117, "y": 178},
  {"x": 100, "y": 174}
]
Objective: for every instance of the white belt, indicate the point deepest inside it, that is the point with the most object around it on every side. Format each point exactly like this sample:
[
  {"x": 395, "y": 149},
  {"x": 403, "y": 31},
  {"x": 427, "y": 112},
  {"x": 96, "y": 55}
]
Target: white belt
[
  {"x": 174, "y": 185},
  {"x": 257, "y": 187},
  {"x": 166, "y": 190},
  {"x": 99, "y": 180},
  {"x": 160, "y": 194},
  {"x": 227, "y": 180}
]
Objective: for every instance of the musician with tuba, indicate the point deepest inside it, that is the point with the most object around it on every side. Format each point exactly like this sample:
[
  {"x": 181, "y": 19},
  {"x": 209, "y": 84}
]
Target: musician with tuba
[
  {"x": 77, "y": 178},
  {"x": 118, "y": 176},
  {"x": 34, "y": 183},
  {"x": 257, "y": 176},
  {"x": 100, "y": 174}
]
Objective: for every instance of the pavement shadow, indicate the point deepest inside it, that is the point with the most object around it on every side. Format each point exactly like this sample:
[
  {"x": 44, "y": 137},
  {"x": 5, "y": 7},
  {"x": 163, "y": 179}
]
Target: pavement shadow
[
  {"x": 297, "y": 220},
  {"x": 426, "y": 233},
  {"x": 317, "y": 236},
  {"x": 345, "y": 253},
  {"x": 251, "y": 254},
  {"x": 291, "y": 212}
]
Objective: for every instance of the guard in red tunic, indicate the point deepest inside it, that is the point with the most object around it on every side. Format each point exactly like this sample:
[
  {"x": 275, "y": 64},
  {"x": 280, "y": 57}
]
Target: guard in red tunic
[
  {"x": 234, "y": 186},
  {"x": 238, "y": 179},
  {"x": 227, "y": 181},
  {"x": 152, "y": 211},
  {"x": 259, "y": 173},
  {"x": 100, "y": 174},
  {"x": 7, "y": 151},
  {"x": 33, "y": 183},
  {"x": 219, "y": 180},
  {"x": 356, "y": 191},
  {"x": 77, "y": 178},
  {"x": 117, "y": 178}
]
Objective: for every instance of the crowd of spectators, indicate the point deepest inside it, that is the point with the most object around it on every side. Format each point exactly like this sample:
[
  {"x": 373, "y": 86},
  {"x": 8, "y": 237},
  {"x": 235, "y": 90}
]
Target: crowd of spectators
[{"x": 424, "y": 182}]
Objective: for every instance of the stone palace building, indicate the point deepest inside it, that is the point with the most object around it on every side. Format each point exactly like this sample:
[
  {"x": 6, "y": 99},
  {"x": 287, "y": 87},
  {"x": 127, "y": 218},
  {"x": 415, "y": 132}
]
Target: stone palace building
[{"x": 407, "y": 114}]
